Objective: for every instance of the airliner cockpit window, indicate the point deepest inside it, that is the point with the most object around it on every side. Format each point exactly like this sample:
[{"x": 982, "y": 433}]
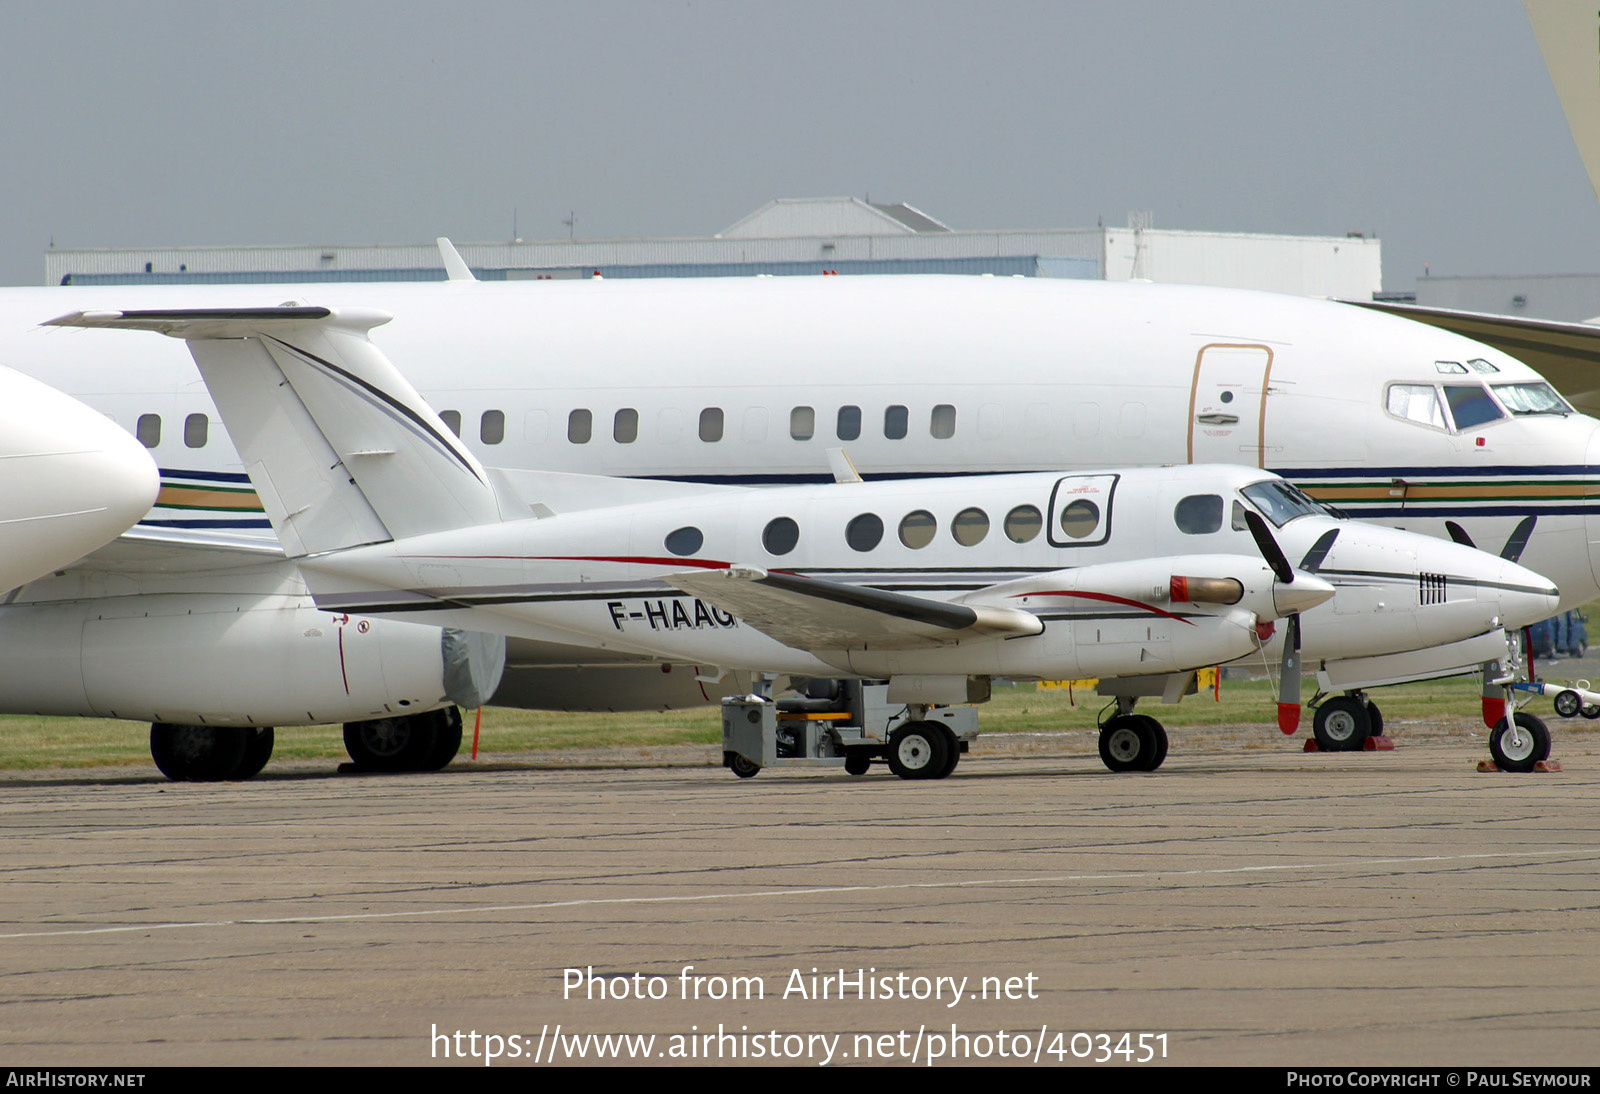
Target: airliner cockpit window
[
  {"x": 1449, "y": 368},
  {"x": 1416, "y": 403},
  {"x": 1471, "y": 405},
  {"x": 1523, "y": 399},
  {"x": 1478, "y": 364},
  {"x": 1279, "y": 502}
]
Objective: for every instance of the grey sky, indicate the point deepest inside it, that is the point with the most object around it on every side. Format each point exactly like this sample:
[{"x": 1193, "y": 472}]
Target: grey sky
[{"x": 1431, "y": 123}]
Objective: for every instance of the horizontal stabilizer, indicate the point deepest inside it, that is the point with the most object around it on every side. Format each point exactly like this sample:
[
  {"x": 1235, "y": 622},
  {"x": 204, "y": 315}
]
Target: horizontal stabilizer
[
  {"x": 810, "y": 613},
  {"x": 339, "y": 446}
]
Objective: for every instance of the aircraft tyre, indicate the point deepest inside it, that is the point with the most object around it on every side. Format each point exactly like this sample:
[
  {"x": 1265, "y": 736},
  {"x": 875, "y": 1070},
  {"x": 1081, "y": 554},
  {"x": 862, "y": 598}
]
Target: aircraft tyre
[
  {"x": 1341, "y": 725},
  {"x": 1132, "y": 742},
  {"x": 857, "y": 761},
  {"x": 447, "y": 739},
  {"x": 1519, "y": 748},
  {"x": 257, "y": 751},
  {"x": 199, "y": 754},
  {"x": 401, "y": 743},
  {"x": 1374, "y": 720},
  {"x": 742, "y": 767},
  {"x": 954, "y": 753},
  {"x": 918, "y": 750},
  {"x": 1160, "y": 732},
  {"x": 1568, "y": 703},
  {"x": 1590, "y": 711}
]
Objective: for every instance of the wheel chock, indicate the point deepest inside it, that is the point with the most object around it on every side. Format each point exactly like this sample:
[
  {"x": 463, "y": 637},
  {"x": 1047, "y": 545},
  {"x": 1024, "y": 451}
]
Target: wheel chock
[
  {"x": 1542, "y": 765},
  {"x": 1371, "y": 744}
]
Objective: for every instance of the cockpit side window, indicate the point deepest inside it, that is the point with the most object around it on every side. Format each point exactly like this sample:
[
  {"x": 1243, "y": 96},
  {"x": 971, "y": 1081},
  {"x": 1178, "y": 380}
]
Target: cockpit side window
[
  {"x": 1523, "y": 399},
  {"x": 1471, "y": 405},
  {"x": 1198, "y": 514},
  {"x": 1417, "y": 403}
]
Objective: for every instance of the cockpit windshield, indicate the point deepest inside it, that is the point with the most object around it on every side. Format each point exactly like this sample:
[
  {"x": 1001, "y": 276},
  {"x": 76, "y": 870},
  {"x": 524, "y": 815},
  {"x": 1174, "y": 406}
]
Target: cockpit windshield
[
  {"x": 1279, "y": 502},
  {"x": 1536, "y": 398}
]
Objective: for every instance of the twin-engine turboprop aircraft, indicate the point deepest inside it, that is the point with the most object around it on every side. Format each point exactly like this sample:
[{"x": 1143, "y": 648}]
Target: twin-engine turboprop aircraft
[{"x": 1138, "y": 574}]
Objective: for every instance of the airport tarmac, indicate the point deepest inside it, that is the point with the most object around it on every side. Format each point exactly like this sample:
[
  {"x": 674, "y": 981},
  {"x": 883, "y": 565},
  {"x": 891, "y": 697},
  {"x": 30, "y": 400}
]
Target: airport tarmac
[{"x": 1248, "y": 903}]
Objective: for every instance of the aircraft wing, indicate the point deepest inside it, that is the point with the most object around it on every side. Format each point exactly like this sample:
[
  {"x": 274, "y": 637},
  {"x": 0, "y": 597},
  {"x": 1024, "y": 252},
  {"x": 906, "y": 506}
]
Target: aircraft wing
[
  {"x": 178, "y": 549},
  {"x": 1566, "y": 354},
  {"x": 811, "y": 613}
]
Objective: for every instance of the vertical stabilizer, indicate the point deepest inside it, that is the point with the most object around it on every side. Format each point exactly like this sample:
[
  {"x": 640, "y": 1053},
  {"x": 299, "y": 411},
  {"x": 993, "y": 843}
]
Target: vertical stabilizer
[
  {"x": 1569, "y": 37},
  {"x": 341, "y": 448}
]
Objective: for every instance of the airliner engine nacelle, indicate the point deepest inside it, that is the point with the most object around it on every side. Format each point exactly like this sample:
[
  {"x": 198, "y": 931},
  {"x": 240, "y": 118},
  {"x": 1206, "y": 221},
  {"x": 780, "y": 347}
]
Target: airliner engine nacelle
[{"x": 219, "y": 660}]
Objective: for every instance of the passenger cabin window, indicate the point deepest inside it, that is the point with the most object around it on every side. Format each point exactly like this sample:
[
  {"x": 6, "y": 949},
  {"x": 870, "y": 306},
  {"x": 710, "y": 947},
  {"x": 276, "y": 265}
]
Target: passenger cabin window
[
  {"x": 780, "y": 536},
  {"x": 196, "y": 428},
  {"x": 864, "y": 532},
  {"x": 895, "y": 419},
  {"x": 1523, "y": 399},
  {"x": 970, "y": 527},
  {"x": 492, "y": 427},
  {"x": 580, "y": 426},
  {"x": 802, "y": 423},
  {"x": 1199, "y": 514},
  {"x": 849, "y": 424},
  {"x": 711, "y": 424},
  {"x": 148, "y": 430},
  {"x": 1023, "y": 524},
  {"x": 1416, "y": 403},
  {"x": 625, "y": 426},
  {"x": 1471, "y": 406},
  {"x": 1079, "y": 519},
  {"x": 917, "y": 529},
  {"x": 942, "y": 423},
  {"x": 685, "y": 541},
  {"x": 452, "y": 420}
]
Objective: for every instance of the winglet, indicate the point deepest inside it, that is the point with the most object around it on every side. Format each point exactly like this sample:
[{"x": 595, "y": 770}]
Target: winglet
[{"x": 455, "y": 269}]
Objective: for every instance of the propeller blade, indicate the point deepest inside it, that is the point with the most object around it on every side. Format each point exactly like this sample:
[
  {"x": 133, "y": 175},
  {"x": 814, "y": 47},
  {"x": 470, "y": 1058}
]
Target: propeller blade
[
  {"x": 1459, "y": 534},
  {"x": 1270, "y": 551},
  {"x": 1289, "y": 677},
  {"x": 1319, "y": 551},
  {"x": 1519, "y": 539}
]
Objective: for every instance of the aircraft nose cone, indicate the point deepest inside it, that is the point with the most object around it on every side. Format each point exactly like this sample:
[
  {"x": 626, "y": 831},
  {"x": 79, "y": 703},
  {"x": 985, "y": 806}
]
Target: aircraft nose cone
[
  {"x": 1306, "y": 591},
  {"x": 1524, "y": 597}
]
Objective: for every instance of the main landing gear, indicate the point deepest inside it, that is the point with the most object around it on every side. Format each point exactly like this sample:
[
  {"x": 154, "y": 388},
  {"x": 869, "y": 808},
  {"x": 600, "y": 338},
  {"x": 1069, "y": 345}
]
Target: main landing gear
[
  {"x": 1344, "y": 722},
  {"x": 412, "y": 742},
  {"x": 1132, "y": 742}
]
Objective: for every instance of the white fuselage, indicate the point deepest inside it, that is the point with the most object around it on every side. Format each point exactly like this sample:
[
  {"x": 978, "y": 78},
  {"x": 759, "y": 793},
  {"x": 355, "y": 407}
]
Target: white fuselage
[{"x": 749, "y": 381}]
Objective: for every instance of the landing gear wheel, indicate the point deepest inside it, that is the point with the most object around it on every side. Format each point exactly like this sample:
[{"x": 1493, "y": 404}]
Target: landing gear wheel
[
  {"x": 257, "y": 751},
  {"x": 953, "y": 748},
  {"x": 918, "y": 750},
  {"x": 402, "y": 743},
  {"x": 1160, "y": 732},
  {"x": 1128, "y": 743},
  {"x": 199, "y": 754},
  {"x": 1374, "y": 720},
  {"x": 1590, "y": 711},
  {"x": 857, "y": 762},
  {"x": 1568, "y": 703},
  {"x": 446, "y": 740},
  {"x": 745, "y": 769},
  {"x": 1341, "y": 725},
  {"x": 1517, "y": 747}
]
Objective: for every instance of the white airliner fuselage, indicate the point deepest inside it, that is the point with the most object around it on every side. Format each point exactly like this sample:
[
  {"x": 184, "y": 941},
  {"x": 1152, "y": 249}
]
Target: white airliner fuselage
[{"x": 750, "y": 380}]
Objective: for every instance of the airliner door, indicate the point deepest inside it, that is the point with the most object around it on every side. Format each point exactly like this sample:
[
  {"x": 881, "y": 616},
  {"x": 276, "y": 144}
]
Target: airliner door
[{"x": 1228, "y": 405}]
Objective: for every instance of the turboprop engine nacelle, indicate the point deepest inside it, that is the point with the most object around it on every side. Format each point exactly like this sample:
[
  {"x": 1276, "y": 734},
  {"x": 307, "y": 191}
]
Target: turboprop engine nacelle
[{"x": 218, "y": 660}]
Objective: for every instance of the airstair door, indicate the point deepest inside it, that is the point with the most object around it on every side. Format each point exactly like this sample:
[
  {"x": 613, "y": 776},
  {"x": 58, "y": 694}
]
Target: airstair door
[{"x": 1228, "y": 405}]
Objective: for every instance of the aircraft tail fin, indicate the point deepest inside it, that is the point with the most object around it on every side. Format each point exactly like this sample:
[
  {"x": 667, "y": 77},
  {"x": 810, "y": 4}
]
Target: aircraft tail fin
[
  {"x": 340, "y": 447},
  {"x": 1566, "y": 33}
]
